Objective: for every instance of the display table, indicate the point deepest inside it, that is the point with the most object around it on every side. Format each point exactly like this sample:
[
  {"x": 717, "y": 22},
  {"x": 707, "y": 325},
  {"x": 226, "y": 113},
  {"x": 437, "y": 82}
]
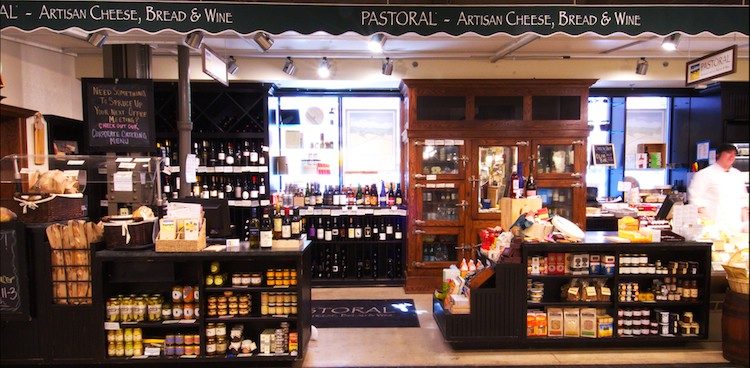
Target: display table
[{"x": 500, "y": 306}]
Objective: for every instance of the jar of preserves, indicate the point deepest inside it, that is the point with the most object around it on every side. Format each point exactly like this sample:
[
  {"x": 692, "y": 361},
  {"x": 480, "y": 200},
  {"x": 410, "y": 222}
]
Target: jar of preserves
[
  {"x": 270, "y": 277},
  {"x": 128, "y": 335},
  {"x": 246, "y": 279},
  {"x": 221, "y": 329},
  {"x": 169, "y": 340},
  {"x": 139, "y": 309},
  {"x": 236, "y": 279},
  {"x": 219, "y": 280},
  {"x": 221, "y": 345},
  {"x": 196, "y": 294},
  {"x": 177, "y": 294},
  {"x": 113, "y": 310},
  {"x": 211, "y": 330},
  {"x": 293, "y": 277},
  {"x": 214, "y": 268},
  {"x": 179, "y": 339},
  {"x": 126, "y": 310},
  {"x": 187, "y": 294},
  {"x": 111, "y": 336},
  {"x": 256, "y": 279},
  {"x": 120, "y": 349},
  {"x": 179, "y": 350},
  {"x": 137, "y": 348},
  {"x": 154, "y": 308},
  {"x": 119, "y": 336},
  {"x": 210, "y": 280},
  {"x": 211, "y": 346},
  {"x": 177, "y": 311},
  {"x": 137, "y": 335},
  {"x": 166, "y": 311},
  {"x": 188, "y": 311},
  {"x": 169, "y": 350},
  {"x": 129, "y": 349},
  {"x": 111, "y": 349}
]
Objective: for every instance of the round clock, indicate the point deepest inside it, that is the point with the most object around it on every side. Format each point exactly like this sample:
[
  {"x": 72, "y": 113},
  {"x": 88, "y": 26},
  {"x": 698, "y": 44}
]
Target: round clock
[{"x": 314, "y": 115}]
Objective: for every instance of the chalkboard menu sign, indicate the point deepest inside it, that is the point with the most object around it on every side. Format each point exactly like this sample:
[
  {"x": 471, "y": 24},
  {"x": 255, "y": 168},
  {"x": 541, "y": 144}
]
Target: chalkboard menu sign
[
  {"x": 13, "y": 275},
  {"x": 119, "y": 114},
  {"x": 604, "y": 154}
]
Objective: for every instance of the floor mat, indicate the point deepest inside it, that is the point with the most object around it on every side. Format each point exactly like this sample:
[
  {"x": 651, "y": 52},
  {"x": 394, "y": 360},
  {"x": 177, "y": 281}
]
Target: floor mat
[{"x": 364, "y": 313}]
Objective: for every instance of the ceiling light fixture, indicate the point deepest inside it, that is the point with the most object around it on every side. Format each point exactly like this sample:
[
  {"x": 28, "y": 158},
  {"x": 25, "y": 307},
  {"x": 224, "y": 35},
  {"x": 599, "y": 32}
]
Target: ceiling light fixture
[
  {"x": 642, "y": 67},
  {"x": 232, "y": 66},
  {"x": 263, "y": 40},
  {"x": 194, "y": 40},
  {"x": 377, "y": 42},
  {"x": 512, "y": 47},
  {"x": 97, "y": 38},
  {"x": 289, "y": 67},
  {"x": 324, "y": 70},
  {"x": 670, "y": 42},
  {"x": 387, "y": 66}
]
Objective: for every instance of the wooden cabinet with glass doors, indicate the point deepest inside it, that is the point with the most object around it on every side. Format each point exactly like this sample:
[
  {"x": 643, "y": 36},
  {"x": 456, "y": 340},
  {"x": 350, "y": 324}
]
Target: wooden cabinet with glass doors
[{"x": 462, "y": 140}]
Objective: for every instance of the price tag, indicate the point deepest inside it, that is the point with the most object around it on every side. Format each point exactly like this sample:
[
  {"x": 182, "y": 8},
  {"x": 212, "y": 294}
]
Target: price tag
[
  {"x": 75, "y": 162},
  {"x": 360, "y": 212},
  {"x": 187, "y": 321},
  {"x": 431, "y": 177},
  {"x": 104, "y": 203},
  {"x": 573, "y": 291},
  {"x": 231, "y": 202},
  {"x": 401, "y": 213},
  {"x": 591, "y": 291},
  {"x": 263, "y": 169},
  {"x": 71, "y": 173},
  {"x": 326, "y": 212},
  {"x": 254, "y": 203},
  {"x": 429, "y": 142},
  {"x": 151, "y": 351},
  {"x": 369, "y": 211},
  {"x": 606, "y": 291},
  {"x": 210, "y": 170},
  {"x": 450, "y": 185},
  {"x": 449, "y": 142},
  {"x": 458, "y": 142},
  {"x": 201, "y": 169},
  {"x": 254, "y": 168},
  {"x": 265, "y": 202},
  {"x": 430, "y": 185},
  {"x": 440, "y": 142},
  {"x": 142, "y": 159},
  {"x": 237, "y": 169},
  {"x": 123, "y": 159},
  {"x": 335, "y": 212},
  {"x": 111, "y": 326},
  {"x": 27, "y": 170},
  {"x": 127, "y": 165},
  {"x": 123, "y": 181}
]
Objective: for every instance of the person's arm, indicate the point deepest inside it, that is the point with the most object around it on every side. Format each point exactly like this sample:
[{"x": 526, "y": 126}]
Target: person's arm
[{"x": 697, "y": 191}]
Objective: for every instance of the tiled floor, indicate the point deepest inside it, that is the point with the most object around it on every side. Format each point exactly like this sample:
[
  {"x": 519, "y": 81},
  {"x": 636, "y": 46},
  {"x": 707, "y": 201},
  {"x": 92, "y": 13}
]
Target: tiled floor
[{"x": 424, "y": 346}]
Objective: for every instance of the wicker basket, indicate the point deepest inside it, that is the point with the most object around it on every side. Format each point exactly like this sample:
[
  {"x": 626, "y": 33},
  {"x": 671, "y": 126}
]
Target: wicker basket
[
  {"x": 128, "y": 235},
  {"x": 53, "y": 207},
  {"x": 737, "y": 272},
  {"x": 181, "y": 245}
]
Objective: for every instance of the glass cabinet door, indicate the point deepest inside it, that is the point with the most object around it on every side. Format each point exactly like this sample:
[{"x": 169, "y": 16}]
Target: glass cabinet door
[
  {"x": 559, "y": 159},
  {"x": 439, "y": 247},
  {"x": 440, "y": 159},
  {"x": 494, "y": 164},
  {"x": 563, "y": 200},
  {"x": 439, "y": 204}
]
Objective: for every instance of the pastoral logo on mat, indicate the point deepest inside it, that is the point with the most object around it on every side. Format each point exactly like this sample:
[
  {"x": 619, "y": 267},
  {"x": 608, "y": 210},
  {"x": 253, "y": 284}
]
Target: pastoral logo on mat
[{"x": 362, "y": 311}]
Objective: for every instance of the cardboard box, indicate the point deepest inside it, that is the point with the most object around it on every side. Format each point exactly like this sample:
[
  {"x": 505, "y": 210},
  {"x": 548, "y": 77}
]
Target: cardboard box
[
  {"x": 512, "y": 208},
  {"x": 588, "y": 322},
  {"x": 571, "y": 322},
  {"x": 267, "y": 341},
  {"x": 555, "y": 322}
]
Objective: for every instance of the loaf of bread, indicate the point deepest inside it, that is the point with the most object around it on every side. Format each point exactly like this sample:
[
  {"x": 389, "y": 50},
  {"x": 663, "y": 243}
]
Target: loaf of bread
[
  {"x": 53, "y": 182},
  {"x": 6, "y": 215}
]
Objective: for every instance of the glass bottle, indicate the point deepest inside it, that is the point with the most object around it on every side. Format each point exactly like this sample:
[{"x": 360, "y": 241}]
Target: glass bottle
[
  {"x": 266, "y": 230},
  {"x": 253, "y": 232},
  {"x": 399, "y": 195},
  {"x": 530, "y": 189},
  {"x": 286, "y": 225}
]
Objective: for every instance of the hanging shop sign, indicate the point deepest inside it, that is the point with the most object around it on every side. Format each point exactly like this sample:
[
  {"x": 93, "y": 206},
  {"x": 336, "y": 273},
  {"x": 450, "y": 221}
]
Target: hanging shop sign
[
  {"x": 214, "y": 65},
  {"x": 246, "y": 18},
  {"x": 713, "y": 65}
]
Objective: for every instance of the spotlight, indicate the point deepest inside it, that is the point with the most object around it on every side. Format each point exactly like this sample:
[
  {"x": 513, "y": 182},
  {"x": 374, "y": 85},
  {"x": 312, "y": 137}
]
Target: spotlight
[
  {"x": 642, "y": 67},
  {"x": 377, "y": 41},
  {"x": 263, "y": 40},
  {"x": 289, "y": 67},
  {"x": 194, "y": 40},
  {"x": 670, "y": 42},
  {"x": 232, "y": 66},
  {"x": 387, "y": 66},
  {"x": 97, "y": 38},
  {"x": 324, "y": 70}
]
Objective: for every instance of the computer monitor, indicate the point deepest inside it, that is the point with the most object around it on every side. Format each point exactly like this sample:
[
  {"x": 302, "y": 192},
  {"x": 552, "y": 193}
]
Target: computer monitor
[
  {"x": 216, "y": 213},
  {"x": 665, "y": 211}
]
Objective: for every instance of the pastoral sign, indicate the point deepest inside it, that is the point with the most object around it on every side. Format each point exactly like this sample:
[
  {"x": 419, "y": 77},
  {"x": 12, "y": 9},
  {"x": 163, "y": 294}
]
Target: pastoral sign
[
  {"x": 119, "y": 114},
  {"x": 246, "y": 18},
  {"x": 711, "y": 66}
]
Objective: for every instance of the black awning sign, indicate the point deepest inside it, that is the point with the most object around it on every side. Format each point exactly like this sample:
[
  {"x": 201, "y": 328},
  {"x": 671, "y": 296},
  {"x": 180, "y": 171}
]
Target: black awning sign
[{"x": 514, "y": 20}]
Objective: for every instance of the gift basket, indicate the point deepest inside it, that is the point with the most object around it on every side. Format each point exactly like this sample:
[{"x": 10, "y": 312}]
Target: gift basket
[
  {"x": 52, "y": 196},
  {"x": 130, "y": 232}
]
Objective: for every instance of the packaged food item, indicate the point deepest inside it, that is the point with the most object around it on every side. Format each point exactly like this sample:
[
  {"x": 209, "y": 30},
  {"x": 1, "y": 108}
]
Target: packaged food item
[
  {"x": 571, "y": 322},
  {"x": 588, "y": 322},
  {"x": 554, "y": 322}
]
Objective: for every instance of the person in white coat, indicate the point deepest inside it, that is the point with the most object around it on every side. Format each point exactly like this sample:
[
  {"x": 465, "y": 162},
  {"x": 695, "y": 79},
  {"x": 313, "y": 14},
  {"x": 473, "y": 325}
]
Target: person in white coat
[{"x": 719, "y": 191}]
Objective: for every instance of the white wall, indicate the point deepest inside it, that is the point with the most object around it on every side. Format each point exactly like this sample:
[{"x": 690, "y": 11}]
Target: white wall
[{"x": 40, "y": 79}]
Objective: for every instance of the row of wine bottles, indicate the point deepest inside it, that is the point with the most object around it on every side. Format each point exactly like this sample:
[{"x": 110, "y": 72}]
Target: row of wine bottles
[
  {"x": 287, "y": 222},
  {"x": 223, "y": 152},
  {"x": 359, "y": 195},
  {"x": 341, "y": 262}
]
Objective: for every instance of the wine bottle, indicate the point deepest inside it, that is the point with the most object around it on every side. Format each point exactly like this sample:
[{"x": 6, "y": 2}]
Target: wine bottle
[
  {"x": 328, "y": 233},
  {"x": 343, "y": 268},
  {"x": 335, "y": 228},
  {"x": 221, "y": 156},
  {"x": 513, "y": 187},
  {"x": 254, "y": 188},
  {"x": 205, "y": 193},
  {"x": 213, "y": 189},
  {"x": 373, "y": 195},
  {"x": 397, "y": 233},
  {"x": 320, "y": 230},
  {"x": 367, "y": 233},
  {"x": 245, "y": 154},
  {"x": 230, "y": 157},
  {"x": 286, "y": 225},
  {"x": 336, "y": 195},
  {"x": 350, "y": 229},
  {"x": 296, "y": 224},
  {"x": 399, "y": 195},
  {"x": 318, "y": 195},
  {"x": 388, "y": 229},
  {"x": 278, "y": 220},
  {"x": 335, "y": 265},
  {"x": 382, "y": 236},
  {"x": 266, "y": 230},
  {"x": 212, "y": 154},
  {"x": 531, "y": 183},
  {"x": 391, "y": 195},
  {"x": 358, "y": 227},
  {"x": 311, "y": 230},
  {"x": 358, "y": 199},
  {"x": 366, "y": 195},
  {"x": 383, "y": 199},
  {"x": 253, "y": 231},
  {"x": 253, "y": 155}
]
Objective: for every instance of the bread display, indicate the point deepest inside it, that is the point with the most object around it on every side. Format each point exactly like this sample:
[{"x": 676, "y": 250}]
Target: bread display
[
  {"x": 53, "y": 182},
  {"x": 71, "y": 260}
]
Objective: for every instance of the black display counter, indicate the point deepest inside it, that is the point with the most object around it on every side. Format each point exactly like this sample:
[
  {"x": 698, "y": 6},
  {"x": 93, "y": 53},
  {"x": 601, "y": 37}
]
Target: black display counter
[{"x": 499, "y": 307}]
